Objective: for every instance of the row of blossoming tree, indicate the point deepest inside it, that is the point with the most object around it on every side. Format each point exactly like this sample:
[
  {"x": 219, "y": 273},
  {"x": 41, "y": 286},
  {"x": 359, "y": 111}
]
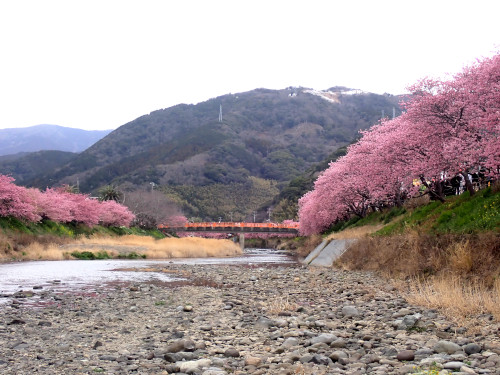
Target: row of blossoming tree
[
  {"x": 59, "y": 205},
  {"x": 449, "y": 129}
]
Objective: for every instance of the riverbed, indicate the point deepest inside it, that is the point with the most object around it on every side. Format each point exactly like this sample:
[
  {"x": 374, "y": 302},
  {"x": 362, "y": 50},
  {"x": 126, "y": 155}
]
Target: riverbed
[{"x": 234, "y": 317}]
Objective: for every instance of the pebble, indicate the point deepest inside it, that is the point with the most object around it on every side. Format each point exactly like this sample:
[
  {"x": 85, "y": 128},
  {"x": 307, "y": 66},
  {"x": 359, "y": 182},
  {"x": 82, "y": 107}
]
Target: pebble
[{"x": 275, "y": 319}]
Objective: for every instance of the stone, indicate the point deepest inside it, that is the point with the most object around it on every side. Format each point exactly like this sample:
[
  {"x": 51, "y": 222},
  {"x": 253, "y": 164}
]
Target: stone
[
  {"x": 448, "y": 347},
  {"x": 231, "y": 352},
  {"x": 214, "y": 371},
  {"x": 350, "y": 311},
  {"x": 472, "y": 348},
  {"x": 406, "y": 355},
  {"x": 454, "y": 365},
  {"x": 467, "y": 370},
  {"x": 326, "y": 338},
  {"x": 98, "y": 331},
  {"x": 193, "y": 366},
  {"x": 338, "y": 354},
  {"x": 290, "y": 341},
  {"x": 180, "y": 345},
  {"x": 264, "y": 322},
  {"x": 252, "y": 361}
]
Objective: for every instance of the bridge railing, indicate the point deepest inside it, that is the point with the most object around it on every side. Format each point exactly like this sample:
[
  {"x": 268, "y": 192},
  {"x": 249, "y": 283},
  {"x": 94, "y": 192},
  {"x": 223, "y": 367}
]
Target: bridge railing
[{"x": 187, "y": 226}]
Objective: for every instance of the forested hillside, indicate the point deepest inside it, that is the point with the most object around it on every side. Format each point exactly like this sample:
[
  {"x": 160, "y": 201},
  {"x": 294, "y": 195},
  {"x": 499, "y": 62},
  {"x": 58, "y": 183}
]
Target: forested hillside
[
  {"x": 265, "y": 139},
  {"x": 26, "y": 165}
]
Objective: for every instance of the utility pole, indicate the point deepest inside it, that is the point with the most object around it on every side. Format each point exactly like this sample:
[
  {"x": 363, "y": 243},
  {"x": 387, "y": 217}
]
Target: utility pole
[
  {"x": 220, "y": 113},
  {"x": 393, "y": 113},
  {"x": 254, "y": 214}
]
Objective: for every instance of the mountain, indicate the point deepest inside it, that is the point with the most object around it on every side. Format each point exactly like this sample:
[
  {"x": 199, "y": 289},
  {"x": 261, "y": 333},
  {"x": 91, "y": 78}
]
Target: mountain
[
  {"x": 24, "y": 166},
  {"x": 47, "y": 137},
  {"x": 228, "y": 156}
]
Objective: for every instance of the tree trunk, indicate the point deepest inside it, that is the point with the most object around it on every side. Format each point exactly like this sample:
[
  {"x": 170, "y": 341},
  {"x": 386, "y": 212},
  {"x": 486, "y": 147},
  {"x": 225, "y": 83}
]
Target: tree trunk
[
  {"x": 468, "y": 183},
  {"x": 432, "y": 192}
]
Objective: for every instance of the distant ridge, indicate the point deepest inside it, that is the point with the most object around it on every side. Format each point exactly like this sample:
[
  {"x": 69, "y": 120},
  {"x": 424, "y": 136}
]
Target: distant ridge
[{"x": 47, "y": 137}]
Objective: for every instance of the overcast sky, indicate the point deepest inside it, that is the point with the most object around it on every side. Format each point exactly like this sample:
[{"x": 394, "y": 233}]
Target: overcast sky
[{"x": 98, "y": 64}]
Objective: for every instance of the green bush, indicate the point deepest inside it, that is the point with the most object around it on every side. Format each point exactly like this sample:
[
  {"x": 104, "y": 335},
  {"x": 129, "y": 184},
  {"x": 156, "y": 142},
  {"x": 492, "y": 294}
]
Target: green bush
[
  {"x": 132, "y": 255},
  {"x": 89, "y": 255}
]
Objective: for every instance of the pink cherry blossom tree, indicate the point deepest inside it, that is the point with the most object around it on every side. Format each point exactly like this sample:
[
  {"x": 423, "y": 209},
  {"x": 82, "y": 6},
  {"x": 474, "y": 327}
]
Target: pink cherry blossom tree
[
  {"x": 448, "y": 128},
  {"x": 16, "y": 201},
  {"x": 114, "y": 214}
]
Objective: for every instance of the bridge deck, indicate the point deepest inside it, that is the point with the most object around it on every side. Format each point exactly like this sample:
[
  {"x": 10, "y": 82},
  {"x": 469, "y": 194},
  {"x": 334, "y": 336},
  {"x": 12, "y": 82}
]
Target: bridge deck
[{"x": 232, "y": 227}]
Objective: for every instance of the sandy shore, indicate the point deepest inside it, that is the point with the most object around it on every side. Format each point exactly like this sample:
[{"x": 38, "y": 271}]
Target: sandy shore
[{"x": 238, "y": 320}]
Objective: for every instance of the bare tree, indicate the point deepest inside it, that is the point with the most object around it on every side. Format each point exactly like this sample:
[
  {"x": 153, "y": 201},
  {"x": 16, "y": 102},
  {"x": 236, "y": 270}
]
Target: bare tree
[{"x": 151, "y": 207}]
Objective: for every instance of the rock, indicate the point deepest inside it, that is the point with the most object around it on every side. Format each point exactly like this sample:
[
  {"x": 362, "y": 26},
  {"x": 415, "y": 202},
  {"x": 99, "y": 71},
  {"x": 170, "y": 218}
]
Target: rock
[
  {"x": 231, "y": 352},
  {"x": 454, "y": 365},
  {"x": 97, "y": 344},
  {"x": 252, "y": 361},
  {"x": 16, "y": 321},
  {"x": 107, "y": 358},
  {"x": 338, "y": 343},
  {"x": 472, "y": 348},
  {"x": 214, "y": 371},
  {"x": 193, "y": 366},
  {"x": 323, "y": 331},
  {"x": 467, "y": 370},
  {"x": 448, "y": 347},
  {"x": 350, "y": 311},
  {"x": 320, "y": 360},
  {"x": 326, "y": 338},
  {"x": 406, "y": 355},
  {"x": 338, "y": 354},
  {"x": 264, "y": 323},
  {"x": 289, "y": 342},
  {"x": 181, "y": 345}
]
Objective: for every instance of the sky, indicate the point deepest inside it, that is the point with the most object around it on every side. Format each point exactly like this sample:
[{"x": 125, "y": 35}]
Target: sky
[{"x": 98, "y": 64}]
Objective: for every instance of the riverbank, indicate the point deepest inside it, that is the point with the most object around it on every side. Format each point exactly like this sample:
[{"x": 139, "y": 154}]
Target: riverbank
[
  {"x": 239, "y": 320},
  {"x": 55, "y": 241}
]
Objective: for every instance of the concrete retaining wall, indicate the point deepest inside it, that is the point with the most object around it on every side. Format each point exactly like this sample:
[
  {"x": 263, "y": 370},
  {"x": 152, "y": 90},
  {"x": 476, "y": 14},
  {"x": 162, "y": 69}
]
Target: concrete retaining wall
[{"x": 327, "y": 252}]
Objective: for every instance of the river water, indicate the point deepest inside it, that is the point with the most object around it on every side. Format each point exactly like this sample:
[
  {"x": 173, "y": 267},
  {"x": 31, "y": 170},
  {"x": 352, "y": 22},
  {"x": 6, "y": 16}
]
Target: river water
[{"x": 76, "y": 274}]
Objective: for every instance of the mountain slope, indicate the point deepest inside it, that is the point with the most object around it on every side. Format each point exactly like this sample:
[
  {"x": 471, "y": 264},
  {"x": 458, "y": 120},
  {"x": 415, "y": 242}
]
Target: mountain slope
[
  {"x": 47, "y": 137},
  {"x": 25, "y": 166},
  {"x": 264, "y": 135}
]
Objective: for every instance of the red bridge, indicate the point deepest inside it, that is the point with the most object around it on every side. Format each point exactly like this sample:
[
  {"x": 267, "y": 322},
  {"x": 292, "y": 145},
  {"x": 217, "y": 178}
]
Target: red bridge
[{"x": 232, "y": 227}]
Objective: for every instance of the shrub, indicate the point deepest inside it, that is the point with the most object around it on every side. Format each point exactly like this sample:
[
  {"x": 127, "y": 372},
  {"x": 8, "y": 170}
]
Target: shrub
[{"x": 89, "y": 255}]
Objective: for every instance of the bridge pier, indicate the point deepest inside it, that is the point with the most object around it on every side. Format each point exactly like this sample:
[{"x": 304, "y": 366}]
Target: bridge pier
[{"x": 242, "y": 241}]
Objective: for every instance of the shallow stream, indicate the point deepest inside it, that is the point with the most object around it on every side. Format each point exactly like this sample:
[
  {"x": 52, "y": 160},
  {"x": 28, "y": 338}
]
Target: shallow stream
[{"x": 77, "y": 274}]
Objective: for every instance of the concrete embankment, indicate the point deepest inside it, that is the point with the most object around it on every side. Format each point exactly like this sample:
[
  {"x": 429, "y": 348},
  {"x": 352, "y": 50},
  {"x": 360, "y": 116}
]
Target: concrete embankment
[{"x": 327, "y": 252}]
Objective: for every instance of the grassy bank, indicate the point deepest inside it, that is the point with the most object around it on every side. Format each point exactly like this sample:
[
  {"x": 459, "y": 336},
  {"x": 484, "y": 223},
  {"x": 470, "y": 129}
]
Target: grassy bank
[
  {"x": 442, "y": 255},
  {"x": 54, "y": 241}
]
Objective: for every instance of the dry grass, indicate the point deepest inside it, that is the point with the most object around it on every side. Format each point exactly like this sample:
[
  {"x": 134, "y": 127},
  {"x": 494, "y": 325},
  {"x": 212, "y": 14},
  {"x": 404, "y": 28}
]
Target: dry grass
[
  {"x": 153, "y": 249},
  {"x": 280, "y": 304},
  {"x": 457, "y": 274},
  {"x": 420, "y": 255},
  {"x": 356, "y": 232},
  {"x": 192, "y": 247},
  {"x": 460, "y": 299},
  {"x": 308, "y": 245}
]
